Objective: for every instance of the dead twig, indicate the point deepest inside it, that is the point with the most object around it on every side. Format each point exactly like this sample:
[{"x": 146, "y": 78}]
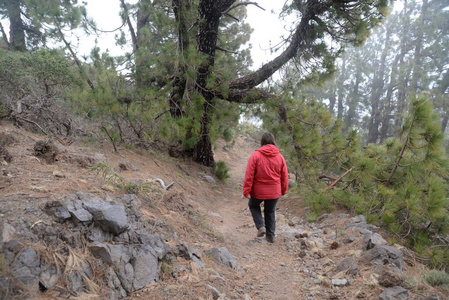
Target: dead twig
[{"x": 339, "y": 178}]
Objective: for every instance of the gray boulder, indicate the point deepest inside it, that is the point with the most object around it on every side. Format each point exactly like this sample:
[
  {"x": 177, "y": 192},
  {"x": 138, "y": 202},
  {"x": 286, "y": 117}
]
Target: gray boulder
[
  {"x": 79, "y": 214},
  {"x": 223, "y": 256},
  {"x": 381, "y": 255},
  {"x": 135, "y": 266},
  {"x": 394, "y": 293},
  {"x": 209, "y": 179},
  {"x": 154, "y": 241},
  {"x": 349, "y": 265},
  {"x": 111, "y": 218},
  {"x": 372, "y": 240},
  {"x": 146, "y": 268},
  {"x": 189, "y": 253}
]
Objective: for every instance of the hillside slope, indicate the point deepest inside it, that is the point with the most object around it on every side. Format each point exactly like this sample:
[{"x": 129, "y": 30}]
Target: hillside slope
[{"x": 326, "y": 259}]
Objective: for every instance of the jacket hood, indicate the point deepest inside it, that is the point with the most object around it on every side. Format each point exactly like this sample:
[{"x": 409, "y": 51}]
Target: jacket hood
[{"x": 269, "y": 150}]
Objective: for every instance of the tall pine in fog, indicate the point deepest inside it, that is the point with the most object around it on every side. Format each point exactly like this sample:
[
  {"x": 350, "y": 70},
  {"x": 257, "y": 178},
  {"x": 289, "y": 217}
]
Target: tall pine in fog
[{"x": 396, "y": 62}]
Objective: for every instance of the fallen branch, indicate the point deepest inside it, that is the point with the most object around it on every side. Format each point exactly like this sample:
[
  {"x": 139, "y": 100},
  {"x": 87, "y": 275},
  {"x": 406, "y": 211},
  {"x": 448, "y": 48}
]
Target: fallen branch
[
  {"x": 339, "y": 178},
  {"x": 165, "y": 187}
]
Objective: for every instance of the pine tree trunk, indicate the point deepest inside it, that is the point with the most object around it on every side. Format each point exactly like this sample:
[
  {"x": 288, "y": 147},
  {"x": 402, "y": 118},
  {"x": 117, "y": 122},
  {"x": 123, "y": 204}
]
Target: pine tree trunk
[
  {"x": 179, "y": 82},
  {"x": 384, "y": 132},
  {"x": 376, "y": 93},
  {"x": 341, "y": 90},
  {"x": 353, "y": 100},
  {"x": 417, "y": 68},
  {"x": 209, "y": 13},
  {"x": 17, "y": 30},
  {"x": 404, "y": 70}
]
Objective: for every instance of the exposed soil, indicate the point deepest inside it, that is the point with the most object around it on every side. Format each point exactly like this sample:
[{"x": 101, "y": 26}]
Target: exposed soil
[{"x": 201, "y": 215}]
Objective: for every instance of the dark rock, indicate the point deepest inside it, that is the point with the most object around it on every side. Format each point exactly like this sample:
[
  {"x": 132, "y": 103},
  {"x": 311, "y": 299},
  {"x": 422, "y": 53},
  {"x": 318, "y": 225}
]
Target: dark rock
[
  {"x": 49, "y": 277},
  {"x": 361, "y": 225},
  {"x": 80, "y": 216},
  {"x": 95, "y": 206},
  {"x": 45, "y": 150},
  {"x": 113, "y": 282},
  {"x": 372, "y": 240},
  {"x": 10, "y": 250},
  {"x": 75, "y": 282},
  {"x": 146, "y": 268},
  {"x": 382, "y": 255},
  {"x": 113, "y": 254},
  {"x": 132, "y": 206},
  {"x": 98, "y": 235},
  {"x": 25, "y": 279},
  {"x": 349, "y": 239},
  {"x": 190, "y": 254},
  {"x": 73, "y": 238},
  {"x": 322, "y": 217},
  {"x": 349, "y": 265},
  {"x": 223, "y": 256},
  {"x": 156, "y": 243},
  {"x": 29, "y": 258},
  {"x": 111, "y": 218},
  {"x": 394, "y": 293},
  {"x": 391, "y": 276}
]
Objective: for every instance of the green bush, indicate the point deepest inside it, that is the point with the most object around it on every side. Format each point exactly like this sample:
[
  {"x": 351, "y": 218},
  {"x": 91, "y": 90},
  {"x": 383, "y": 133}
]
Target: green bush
[
  {"x": 437, "y": 279},
  {"x": 221, "y": 171}
]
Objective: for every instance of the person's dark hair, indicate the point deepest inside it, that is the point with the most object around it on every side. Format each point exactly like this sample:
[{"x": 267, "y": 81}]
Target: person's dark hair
[{"x": 267, "y": 138}]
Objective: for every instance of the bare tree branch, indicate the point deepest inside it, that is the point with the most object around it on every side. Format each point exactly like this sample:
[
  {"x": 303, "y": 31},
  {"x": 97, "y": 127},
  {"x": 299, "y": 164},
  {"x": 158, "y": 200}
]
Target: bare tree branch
[
  {"x": 244, "y": 3},
  {"x": 224, "y": 50}
]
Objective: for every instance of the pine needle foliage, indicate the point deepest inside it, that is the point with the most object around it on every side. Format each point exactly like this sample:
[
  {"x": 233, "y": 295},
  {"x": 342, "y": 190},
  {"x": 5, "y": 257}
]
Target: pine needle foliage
[
  {"x": 221, "y": 170},
  {"x": 401, "y": 183}
]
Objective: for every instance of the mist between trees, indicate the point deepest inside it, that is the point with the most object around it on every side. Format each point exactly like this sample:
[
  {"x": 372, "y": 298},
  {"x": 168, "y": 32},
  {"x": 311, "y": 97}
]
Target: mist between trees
[{"x": 358, "y": 93}]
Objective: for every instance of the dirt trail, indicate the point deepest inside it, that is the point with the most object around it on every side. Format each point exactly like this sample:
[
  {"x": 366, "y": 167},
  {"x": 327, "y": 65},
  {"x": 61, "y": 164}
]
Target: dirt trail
[{"x": 267, "y": 270}]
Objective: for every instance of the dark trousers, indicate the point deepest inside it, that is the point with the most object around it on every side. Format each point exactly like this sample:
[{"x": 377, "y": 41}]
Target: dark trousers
[{"x": 268, "y": 212}]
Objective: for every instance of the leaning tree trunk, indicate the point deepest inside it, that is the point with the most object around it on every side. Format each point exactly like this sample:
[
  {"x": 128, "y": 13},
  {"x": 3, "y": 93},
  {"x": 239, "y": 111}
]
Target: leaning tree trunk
[{"x": 209, "y": 21}]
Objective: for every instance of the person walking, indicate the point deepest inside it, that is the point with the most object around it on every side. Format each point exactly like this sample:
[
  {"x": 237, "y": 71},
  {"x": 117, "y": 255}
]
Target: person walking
[{"x": 266, "y": 179}]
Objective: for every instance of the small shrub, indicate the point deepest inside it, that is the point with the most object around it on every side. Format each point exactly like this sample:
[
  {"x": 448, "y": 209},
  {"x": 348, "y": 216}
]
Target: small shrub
[
  {"x": 437, "y": 279},
  {"x": 119, "y": 182},
  {"x": 311, "y": 217},
  {"x": 221, "y": 171}
]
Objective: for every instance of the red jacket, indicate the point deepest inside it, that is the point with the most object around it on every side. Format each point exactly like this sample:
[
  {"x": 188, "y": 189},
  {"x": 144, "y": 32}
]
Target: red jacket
[{"x": 266, "y": 175}]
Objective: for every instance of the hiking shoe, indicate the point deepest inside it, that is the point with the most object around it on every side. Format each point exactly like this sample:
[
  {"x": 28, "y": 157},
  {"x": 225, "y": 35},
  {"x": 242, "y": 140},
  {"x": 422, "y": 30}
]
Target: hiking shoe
[
  {"x": 270, "y": 239},
  {"x": 261, "y": 232}
]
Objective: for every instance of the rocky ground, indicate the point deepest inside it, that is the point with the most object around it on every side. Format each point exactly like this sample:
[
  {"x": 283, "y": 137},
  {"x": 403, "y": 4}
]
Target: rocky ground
[{"x": 72, "y": 227}]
